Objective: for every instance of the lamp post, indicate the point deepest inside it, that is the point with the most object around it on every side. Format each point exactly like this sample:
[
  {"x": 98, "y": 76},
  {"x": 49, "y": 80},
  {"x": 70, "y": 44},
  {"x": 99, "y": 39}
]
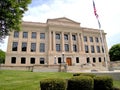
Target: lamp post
[{"x": 63, "y": 57}]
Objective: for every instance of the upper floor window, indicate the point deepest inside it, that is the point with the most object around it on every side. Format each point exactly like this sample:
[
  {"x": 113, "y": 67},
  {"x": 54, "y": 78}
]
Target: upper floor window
[
  {"x": 24, "y": 46},
  {"x": 57, "y": 36},
  {"x": 92, "y": 49},
  {"x": 86, "y": 49},
  {"x": 91, "y": 39},
  {"x": 15, "y": 46},
  {"x": 33, "y": 47},
  {"x": 96, "y": 39},
  {"x": 85, "y": 38},
  {"x": 25, "y": 34},
  {"x": 66, "y": 47},
  {"x": 42, "y": 47},
  {"x": 42, "y": 35},
  {"x": 74, "y": 48},
  {"x": 33, "y": 35},
  {"x": 16, "y": 34},
  {"x": 65, "y": 36},
  {"x": 57, "y": 47},
  {"x": 98, "y": 49},
  {"x": 73, "y": 37}
]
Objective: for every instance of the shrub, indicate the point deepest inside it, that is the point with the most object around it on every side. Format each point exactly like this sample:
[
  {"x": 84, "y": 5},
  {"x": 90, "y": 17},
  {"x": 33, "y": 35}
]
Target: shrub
[
  {"x": 80, "y": 83},
  {"x": 103, "y": 83},
  {"x": 53, "y": 84},
  {"x": 116, "y": 88},
  {"x": 84, "y": 74}
]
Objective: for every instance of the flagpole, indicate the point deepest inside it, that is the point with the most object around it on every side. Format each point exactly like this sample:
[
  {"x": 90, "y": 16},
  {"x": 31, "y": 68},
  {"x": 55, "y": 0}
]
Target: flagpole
[{"x": 101, "y": 36}]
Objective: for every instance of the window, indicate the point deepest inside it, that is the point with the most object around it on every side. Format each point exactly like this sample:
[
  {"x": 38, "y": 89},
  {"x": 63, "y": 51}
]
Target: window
[
  {"x": 88, "y": 60},
  {"x": 66, "y": 47},
  {"x": 74, "y": 48},
  {"x": 23, "y": 60},
  {"x": 14, "y": 46},
  {"x": 24, "y": 46},
  {"x": 57, "y": 36},
  {"x": 99, "y": 59},
  {"x": 86, "y": 49},
  {"x": 65, "y": 36},
  {"x": 33, "y": 35},
  {"x": 33, "y": 47},
  {"x": 85, "y": 38},
  {"x": 25, "y": 34},
  {"x": 96, "y": 39},
  {"x": 73, "y": 37},
  {"x": 42, "y": 47},
  {"x": 59, "y": 59},
  {"x": 92, "y": 49},
  {"x": 42, "y": 61},
  {"x": 102, "y": 49},
  {"x": 32, "y": 60},
  {"x": 77, "y": 59},
  {"x": 57, "y": 47},
  {"x": 91, "y": 39},
  {"x": 42, "y": 35},
  {"x": 13, "y": 60},
  {"x": 94, "y": 60},
  {"x": 98, "y": 49},
  {"x": 16, "y": 34}
]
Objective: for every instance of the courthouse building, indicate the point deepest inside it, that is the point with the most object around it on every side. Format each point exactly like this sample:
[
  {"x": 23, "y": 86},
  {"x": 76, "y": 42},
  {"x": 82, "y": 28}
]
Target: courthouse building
[{"x": 57, "y": 41}]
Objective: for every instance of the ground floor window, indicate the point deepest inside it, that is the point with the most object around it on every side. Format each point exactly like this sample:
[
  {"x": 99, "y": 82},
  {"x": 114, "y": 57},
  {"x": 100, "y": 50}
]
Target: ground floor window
[
  {"x": 23, "y": 60},
  {"x": 99, "y": 59},
  {"x": 88, "y": 60},
  {"x": 59, "y": 60},
  {"x": 77, "y": 59},
  {"x": 94, "y": 60},
  {"x": 32, "y": 60},
  {"x": 42, "y": 60},
  {"x": 13, "y": 60}
]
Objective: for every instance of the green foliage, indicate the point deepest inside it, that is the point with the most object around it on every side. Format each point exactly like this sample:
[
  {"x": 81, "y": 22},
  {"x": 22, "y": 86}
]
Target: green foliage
[
  {"x": 84, "y": 74},
  {"x": 80, "y": 83},
  {"x": 11, "y": 13},
  {"x": 53, "y": 84},
  {"x": 114, "y": 52},
  {"x": 103, "y": 83},
  {"x": 2, "y": 56}
]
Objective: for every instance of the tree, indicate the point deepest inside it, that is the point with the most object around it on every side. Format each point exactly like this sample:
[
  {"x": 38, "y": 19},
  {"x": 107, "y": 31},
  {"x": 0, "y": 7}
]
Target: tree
[
  {"x": 2, "y": 56},
  {"x": 114, "y": 52},
  {"x": 11, "y": 13}
]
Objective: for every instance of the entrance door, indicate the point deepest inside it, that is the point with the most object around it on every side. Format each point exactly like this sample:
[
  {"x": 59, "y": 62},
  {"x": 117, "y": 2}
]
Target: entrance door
[{"x": 68, "y": 61}]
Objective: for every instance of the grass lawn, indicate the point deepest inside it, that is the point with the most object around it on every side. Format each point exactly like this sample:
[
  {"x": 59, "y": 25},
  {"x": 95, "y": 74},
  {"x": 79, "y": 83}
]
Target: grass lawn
[{"x": 24, "y": 80}]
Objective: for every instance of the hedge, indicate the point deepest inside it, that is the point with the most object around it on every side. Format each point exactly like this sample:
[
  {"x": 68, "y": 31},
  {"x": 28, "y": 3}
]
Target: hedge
[
  {"x": 84, "y": 74},
  {"x": 53, "y": 84},
  {"x": 103, "y": 83},
  {"x": 80, "y": 83}
]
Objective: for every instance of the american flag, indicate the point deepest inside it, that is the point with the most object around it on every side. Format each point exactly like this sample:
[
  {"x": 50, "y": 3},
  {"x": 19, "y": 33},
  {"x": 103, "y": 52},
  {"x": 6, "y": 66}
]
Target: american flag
[{"x": 95, "y": 11}]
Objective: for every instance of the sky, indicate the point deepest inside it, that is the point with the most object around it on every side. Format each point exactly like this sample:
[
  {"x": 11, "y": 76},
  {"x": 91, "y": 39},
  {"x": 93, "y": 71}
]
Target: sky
[{"x": 80, "y": 11}]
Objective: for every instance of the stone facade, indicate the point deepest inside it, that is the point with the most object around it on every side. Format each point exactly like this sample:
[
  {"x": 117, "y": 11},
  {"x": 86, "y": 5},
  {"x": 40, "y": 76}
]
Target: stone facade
[{"x": 57, "y": 41}]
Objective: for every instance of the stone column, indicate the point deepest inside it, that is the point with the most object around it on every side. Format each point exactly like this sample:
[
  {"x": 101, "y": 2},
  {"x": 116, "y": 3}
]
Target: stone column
[
  {"x": 54, "y": 44},
  {"x": 62, "y": 40},
  {"x": 71, "y": 43},
  {"x": 50, "y": 41},
  {"x": 78, "y": 40}
]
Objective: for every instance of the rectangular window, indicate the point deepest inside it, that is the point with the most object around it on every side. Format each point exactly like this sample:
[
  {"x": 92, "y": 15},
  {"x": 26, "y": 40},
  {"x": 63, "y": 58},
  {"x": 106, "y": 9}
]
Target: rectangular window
[
  {"x": 77, "y": 59},
  {"x": 92, "y": 49},
  {"x": 102, "y": 49},
  {"x": 65, "y": 37},
  {"x": 99, "y": 59},
  {"x": 91, "y": 39},
  {"x": 74, "y": 48},
  {"x": 57, "y": 47},
  {"x": 16, "y": 34},
  {"x": 66, "y": 47},
  {"x": 23, "y": 60},
  {"x": 33, "y": 35},
  {"x": 96, "y": 39},
  {"x": 73, "y": 37},
  {"x": 13, "y": 60},
  {"x": 25, "y": 34},
  {"x": 42, "y": 61},
  {"x": 32, "y": 60},
  {"x": 33, "y": 47},
  {"x": 98, "y": 49},
  {"x": 42, "y": 47},
  {"x": 24, "y": 46},
  {"x": 59, "y": 59},
  {"x": 85, "y": 38},
  {"x": 88, "y": 60},
  {"x": 57, "y": 36},
  {"x": 94, "y": 60},
  {"x": 15, "y": 46},
  {"x": 42, "y": 35},
  {"x": 86, "y": 49}
]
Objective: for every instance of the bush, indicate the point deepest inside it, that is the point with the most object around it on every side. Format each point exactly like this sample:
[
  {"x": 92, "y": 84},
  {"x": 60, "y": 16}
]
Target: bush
[
  {"x": 103, "y": 83},
  {"x": 84, "y": 74},
  {"x": 53, "y": 84},
  {"x": 115, "y": 88},
  {"x": 80, "y": 83}
]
